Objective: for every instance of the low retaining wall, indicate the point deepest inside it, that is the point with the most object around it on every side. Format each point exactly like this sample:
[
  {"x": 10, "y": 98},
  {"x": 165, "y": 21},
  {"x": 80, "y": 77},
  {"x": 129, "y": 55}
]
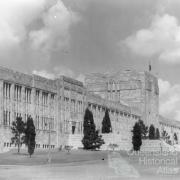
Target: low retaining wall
[
  {"x": 156, "y": 145},
  {"x": 123, "y": 144}
]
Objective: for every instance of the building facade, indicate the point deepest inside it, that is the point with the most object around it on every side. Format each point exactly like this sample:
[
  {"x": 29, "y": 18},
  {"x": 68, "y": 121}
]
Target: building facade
[
  {"x": 135, "y": 89},
  {"x": 57, "y": 106},
  {"x": 171, "y": 127}
]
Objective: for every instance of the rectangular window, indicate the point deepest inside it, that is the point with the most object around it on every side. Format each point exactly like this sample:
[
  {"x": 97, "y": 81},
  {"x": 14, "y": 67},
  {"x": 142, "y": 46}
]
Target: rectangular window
[
  {"x": 72, "y": 105},
  {"x": 37, "y": 97},
  {"x": 52, "y": 101},
  {"x": 6, "y": 90},
  {"x": 28, "y": 95},
  {"x": 44, "y": 99},
  {"x": 6, "y": 117},
  {"x": 52, "y": 123},
  {"x": 17, "y": 92},
  {"x": 42, "y": 121}
]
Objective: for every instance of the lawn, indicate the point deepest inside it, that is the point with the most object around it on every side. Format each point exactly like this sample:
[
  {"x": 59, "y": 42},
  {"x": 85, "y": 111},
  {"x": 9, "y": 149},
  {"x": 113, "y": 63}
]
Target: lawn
[
  {"x": 112, "y": 165},
  {"x": 57, "y": 157}
]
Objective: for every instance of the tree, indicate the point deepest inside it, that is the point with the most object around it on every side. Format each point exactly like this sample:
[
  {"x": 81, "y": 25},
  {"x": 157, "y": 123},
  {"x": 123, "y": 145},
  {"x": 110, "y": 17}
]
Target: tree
[
  {"x": 175, "y": 138},
  {"x": 144, "y": 129},
  {"x": 30, "y": 135},
  {"x": 18, "y": 130},
  {"x": 136, "y": 138},
  {"x": 165, "y": 136},
  {"x": 151, "y": 132},
  {"x": 106, "y": 123},
  {"x": 92, "y": 139},
  {"x": 157, "y": 134}
]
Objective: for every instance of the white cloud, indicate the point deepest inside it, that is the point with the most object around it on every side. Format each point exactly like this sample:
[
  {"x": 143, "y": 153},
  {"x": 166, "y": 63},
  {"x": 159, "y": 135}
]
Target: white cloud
[
  {"x": 59, "y": 71},
  {"x": 169, "y": 99},
  {"x": 164, "y": 86},
  {"x": 63, "y": 70},
  {"x": 31, "y": 30},
  {"x": 177, "y": 115},
  {"x": 81, "y": 77},
  {"x": 44, "y": 73},
  {"x": 15, "y": 16},
  {"x": 162, "y": 38},
  {"x": 55, "y": 33}
]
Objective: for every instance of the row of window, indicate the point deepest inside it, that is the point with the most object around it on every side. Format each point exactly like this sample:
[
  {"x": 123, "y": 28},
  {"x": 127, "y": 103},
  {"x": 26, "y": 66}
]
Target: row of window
[
  {"x": 7, "y": 117},
  {"x": 98, "y": 113},
  {"x": 40, "y": 122},
  {"x": 28, "y": 94},
  {"x": 8, "y": 144},
  {"x": 44, "y": 123},
  {"x": 73, "y": 105},
  {"x": 47, "y": 146}
]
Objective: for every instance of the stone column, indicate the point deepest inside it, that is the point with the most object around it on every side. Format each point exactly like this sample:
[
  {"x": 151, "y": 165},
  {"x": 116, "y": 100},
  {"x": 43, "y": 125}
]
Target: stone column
[
  {"x": 48, "y": 111},
  {"x": 63, "y": 122},
  {"x": 57, "y": 118},
  {"x": 23, "y": 103},
  {"x": 95, "y": 113},
  {"x": 33, "y": 104},
  {"x": 70, "y": 98},
  {"x": 106, "y": 95},
  {"x": 12, "y": 103},
  {"x": 116, "y": 92},
  {"x": 40, "y": 110},
  {"x": 1, "y": 102}
]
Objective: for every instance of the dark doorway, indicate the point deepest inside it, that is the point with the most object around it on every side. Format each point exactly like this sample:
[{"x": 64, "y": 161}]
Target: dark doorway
[{"x": 73, "y": 129}]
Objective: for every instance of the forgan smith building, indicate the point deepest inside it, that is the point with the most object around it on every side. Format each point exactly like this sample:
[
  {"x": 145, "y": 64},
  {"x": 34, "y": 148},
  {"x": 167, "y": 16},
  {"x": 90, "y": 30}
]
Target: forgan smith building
[{"x": 59, "y": 105}]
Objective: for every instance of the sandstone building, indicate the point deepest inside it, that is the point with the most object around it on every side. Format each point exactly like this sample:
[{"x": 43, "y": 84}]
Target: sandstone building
[
  {"x": 59, "y": 104},
  {"x": 135, "y": 89}
]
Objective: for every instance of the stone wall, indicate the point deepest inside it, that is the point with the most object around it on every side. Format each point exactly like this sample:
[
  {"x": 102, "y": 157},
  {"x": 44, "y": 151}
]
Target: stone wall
[
  {"x": 171, "y": 127},
  {"x": 42, "y": 139},
  {"x": 67, "y": 100},
  {"x": 123, "y": 144},
  {"x": 132, "y": 88}
]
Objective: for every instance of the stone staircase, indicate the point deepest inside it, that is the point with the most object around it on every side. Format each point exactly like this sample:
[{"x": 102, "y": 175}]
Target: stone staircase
[
  {"x": 123, "y": 144},
  {"x": 75, "y": 141},
  {"x": 155, "y": 145}
]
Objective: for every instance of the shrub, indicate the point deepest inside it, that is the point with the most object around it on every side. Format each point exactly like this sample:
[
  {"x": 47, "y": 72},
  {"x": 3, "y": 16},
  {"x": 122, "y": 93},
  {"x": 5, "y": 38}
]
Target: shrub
[
  {"x": 106, "y": 123},
  {"x": 30, "y": 135},
  {"x": 136, "y": 138},
  {"x": 18, "y": 130},
  {"x": 151, "y": 132},
  {"x": 92, "y": 139}
]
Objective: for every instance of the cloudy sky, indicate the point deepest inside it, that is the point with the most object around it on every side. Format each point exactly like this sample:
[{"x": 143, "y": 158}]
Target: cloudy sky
[{"x": 75, "y": 37}]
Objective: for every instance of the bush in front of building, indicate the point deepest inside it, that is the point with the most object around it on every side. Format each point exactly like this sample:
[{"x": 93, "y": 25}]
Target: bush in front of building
[
  {"x": 106, "y": 123},
  {"x": 91, "y": 140},
  {"x": 175, "y": 138},
  {"x": 30, "y": 134},
  {"x": 165, "y": 136},
  {"x": 152, "y": 132},
  {"x": 144, "y": 129},
  {"x": 137, "y": 137},
  {"x": 157, "y": 134},
  {"x": 18, "y": 130}
]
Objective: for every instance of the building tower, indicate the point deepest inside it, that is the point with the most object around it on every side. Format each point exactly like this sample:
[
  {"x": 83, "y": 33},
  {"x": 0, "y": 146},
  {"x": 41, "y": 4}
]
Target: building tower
[{"x": 132, "y": 88}]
